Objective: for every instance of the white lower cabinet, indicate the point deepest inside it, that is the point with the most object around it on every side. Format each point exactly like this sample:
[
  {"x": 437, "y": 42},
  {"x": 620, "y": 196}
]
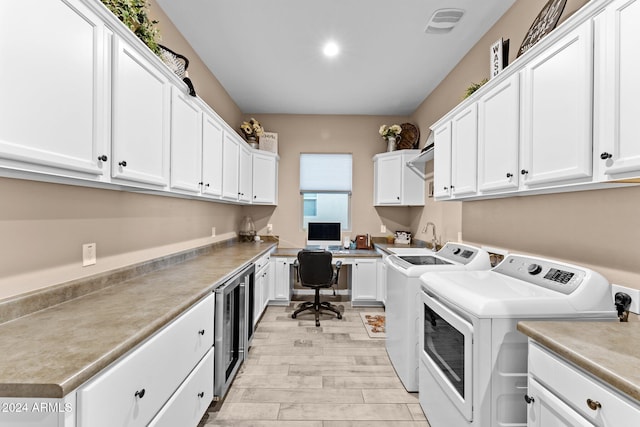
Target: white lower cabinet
[
  {"x": 364, "y": 284},
  {"x": 281, "y": 290},
  {"x": 187, "y": 406},
  {"x": 135, "y": 388},
  {"x": 562, "y": 394},
  {"x": 261, "y": 286}
]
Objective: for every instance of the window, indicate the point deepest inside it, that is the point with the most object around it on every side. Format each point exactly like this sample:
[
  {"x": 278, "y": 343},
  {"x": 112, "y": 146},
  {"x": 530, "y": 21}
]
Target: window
[{"x": 325, "y": 187}]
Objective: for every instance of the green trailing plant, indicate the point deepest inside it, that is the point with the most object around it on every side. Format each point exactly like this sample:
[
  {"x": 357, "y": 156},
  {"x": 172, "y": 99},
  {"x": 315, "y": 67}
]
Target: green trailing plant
[
  {"x": 133, "y": 13},
  {"x": 474, "y": 87}
]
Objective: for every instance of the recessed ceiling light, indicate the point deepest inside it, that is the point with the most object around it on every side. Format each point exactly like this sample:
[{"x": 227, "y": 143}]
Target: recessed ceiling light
[
  {"x": 443, "y": 20},
  {"x": 331, "y": 49}
]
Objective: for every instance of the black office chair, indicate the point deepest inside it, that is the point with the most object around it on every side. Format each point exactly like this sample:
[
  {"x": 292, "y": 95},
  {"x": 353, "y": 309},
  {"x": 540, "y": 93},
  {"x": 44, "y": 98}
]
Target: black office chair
[{"x": 315, "y": 271}]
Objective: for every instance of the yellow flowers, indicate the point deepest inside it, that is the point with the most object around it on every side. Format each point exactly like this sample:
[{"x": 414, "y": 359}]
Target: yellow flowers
[
  {"x": 252, "y": 128},
  {"x": 391, "y": 131}
]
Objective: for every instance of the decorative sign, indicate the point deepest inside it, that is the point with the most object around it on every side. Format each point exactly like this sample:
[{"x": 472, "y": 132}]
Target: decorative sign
[
  {"x": 546, "y": 21},
  {"x": 269, "y": 142},
  {"x": 498, "y": 57}
]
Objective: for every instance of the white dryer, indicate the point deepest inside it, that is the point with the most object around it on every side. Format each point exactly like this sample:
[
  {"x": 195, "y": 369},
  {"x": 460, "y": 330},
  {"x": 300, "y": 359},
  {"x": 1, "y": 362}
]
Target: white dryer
[{"x": 403, "y": 299}]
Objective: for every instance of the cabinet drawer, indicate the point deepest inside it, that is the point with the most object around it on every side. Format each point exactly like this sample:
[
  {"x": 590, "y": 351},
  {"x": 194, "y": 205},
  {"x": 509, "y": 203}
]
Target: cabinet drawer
[
  {"x": 262, "y": 261},
  {"x": 575, "y": 388},
  {"x": 134, "y": 389},
  {"x": 189, "y": 403}
]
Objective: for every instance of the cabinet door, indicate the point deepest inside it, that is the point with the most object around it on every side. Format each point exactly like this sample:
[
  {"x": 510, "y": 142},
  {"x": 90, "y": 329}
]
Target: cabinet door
[
  {"x": 548, "y": 410},
  {"x": 281, "y": 283},
  {"x": 365, "y": 285},
  {"x": 186, "y": 143},
  {"x": 268, "y": 284},
  {"x": 498, "y": 137},
  {"x": 230, "y": 167},
  {"x": 557, "y": 108},
  {"x": 52, "y": 98},
  {"x": 617, "y": 146},
  {"x": 245, "y": 175},
  {"x": 212, "y": 140},
  {"x": 259, "y": 291},
  {"x": 388, "y": 173},
  {"x": 140, "y": 118},
  {"x": 265, "y": 178},
  {"x": 464, "y": 152},
  {"x": 442, "y": 162}
]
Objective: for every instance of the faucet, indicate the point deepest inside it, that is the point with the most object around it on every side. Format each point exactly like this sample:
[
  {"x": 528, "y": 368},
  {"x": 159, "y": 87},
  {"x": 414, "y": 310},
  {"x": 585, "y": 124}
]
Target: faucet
[{"x": 434, "y": 241}]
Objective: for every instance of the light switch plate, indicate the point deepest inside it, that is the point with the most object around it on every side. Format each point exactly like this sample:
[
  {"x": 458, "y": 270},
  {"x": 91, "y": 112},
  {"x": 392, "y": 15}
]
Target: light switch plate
[
  {"x": 88, "y": 254},
  {"x": 633, "y": 293},
  {"x": 269, "y": 228}
]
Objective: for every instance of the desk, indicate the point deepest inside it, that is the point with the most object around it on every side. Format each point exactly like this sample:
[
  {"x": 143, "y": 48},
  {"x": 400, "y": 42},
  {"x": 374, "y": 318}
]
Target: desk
[{"x": 364, "y": 279}]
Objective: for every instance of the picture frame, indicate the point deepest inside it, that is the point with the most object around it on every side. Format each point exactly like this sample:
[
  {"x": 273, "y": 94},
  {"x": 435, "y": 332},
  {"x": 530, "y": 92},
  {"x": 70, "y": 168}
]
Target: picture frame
[
  {"x": 544, "y": 23},
  {"x": 498, "y": 57}
]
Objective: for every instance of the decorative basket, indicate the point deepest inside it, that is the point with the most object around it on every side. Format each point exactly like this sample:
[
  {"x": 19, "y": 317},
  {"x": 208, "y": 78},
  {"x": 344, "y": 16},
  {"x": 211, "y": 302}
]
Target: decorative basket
[{"x": 178, "y": 64}]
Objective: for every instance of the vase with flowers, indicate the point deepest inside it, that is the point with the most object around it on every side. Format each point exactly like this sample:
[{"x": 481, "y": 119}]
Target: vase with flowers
[
  {"x": 391, "y": 134},
  {"x": 252, "y": 130}
]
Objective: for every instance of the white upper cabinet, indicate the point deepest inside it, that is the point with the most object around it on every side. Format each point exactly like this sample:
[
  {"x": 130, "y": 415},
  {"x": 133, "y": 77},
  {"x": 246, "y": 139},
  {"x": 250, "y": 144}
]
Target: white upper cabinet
[
  {"x": 245, "y": 178},
  {"x": 464, "y": 152},
  {"x": 265, "y": 178},
  {"x": 617, "y": 145},
  {"x": 442, "y": 161},
  {"x": 557, "y": 108},
  {"x": 498, "y": 137},
  {"x": 396, "y": 182},
  {"x": 186, "y": 143},
  {"x": 230, "y": 167},
  {"x": 140, "y": 118},
  {"x": 212, "y": 141},
  {"x": 52, "y": 97}
]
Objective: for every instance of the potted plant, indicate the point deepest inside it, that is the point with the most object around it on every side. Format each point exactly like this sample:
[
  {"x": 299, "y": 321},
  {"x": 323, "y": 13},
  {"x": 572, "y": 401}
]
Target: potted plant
[
  {"x": 391, "y": 134},
  {"x": 133, "y": 13},
  {"x": 252, "y": 130}
]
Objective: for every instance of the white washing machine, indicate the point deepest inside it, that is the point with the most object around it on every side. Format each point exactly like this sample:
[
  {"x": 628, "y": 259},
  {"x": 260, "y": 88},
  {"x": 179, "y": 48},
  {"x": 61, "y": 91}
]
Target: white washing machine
[
  {"x": 403, "y": 299},
  {"x": 473, "y": 361}
]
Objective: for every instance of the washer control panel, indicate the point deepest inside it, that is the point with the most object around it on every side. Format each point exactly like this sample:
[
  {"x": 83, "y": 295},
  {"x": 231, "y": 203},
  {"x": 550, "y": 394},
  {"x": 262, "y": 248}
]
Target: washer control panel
[
  {"x": 548, "y": 274},
  {"x": 457, "y": 253}
]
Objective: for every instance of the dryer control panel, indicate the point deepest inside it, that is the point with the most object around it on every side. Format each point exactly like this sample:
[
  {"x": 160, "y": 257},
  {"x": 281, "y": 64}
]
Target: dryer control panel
[{"x": 545, "y": 273}]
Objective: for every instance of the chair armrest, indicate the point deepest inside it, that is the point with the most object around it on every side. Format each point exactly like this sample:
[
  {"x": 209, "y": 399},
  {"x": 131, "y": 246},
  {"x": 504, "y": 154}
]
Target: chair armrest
[{"x": 338, "y": 266}]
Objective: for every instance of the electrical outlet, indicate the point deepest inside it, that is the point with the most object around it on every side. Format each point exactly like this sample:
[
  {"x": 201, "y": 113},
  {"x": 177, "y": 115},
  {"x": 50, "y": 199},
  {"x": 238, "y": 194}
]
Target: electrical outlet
[
  {"x": 213, "y": 232},
  {"x": 383, "y": 228},
  {"x": 633, "y": 293},
  {"x": 269, "y": 228},
  {"x": 88, "y": 254}
]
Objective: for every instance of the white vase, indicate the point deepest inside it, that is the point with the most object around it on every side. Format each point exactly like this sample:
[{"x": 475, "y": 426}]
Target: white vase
[{"x": 391, "y": 143}]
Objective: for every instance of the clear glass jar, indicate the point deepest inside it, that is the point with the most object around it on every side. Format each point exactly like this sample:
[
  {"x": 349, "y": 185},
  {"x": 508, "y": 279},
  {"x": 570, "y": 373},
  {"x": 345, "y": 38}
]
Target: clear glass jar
[{"x": 247, "y": 230}]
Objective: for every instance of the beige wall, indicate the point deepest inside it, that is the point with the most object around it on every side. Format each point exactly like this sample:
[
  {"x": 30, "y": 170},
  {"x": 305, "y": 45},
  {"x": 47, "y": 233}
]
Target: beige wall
[
  {"x": 594, "y": 228},
  {"x": 328, "y": 134},
  {"x": 43, "y": 226}
]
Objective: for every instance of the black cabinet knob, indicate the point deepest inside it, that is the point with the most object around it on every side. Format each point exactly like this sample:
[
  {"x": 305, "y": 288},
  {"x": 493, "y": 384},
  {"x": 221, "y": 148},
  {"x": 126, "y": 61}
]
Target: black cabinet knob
[
  {"x": 201, "y": 394},
  {"x": 207, "y": 185},
  {"x": 201, "y": 332},
  {"x": 103, "y": 158},
  {"x": 398, "y": 197},
  {"x": 605, "y": 156},
  {"x": 255, "y": 197},
  {"x": 200, "y": 183},
  {"x": 509, "y": 175},
  {"x": 524, "y": 172},
  {"x": 123, "y": 164},
  {"x": 528, "y": 399},
  {"x": 445, "y": 188},
  {"x": 140, "y": 393}
]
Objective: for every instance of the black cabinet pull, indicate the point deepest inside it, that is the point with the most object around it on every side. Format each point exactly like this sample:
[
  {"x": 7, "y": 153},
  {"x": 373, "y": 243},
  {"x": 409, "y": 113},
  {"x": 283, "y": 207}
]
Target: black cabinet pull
[
  {"x": 103, "y": 158},
  {"x": 605, "y": 156},
  {"x": 140, "y": 393},
  {"x": 445, "y": 188},
  {"x": 201, "y": 394},
  {"x": 524, "y": 172},
  {"x": 207, "y": 185},
  {"x": 201, "y": 331},
  {"x": 200, "y": 183},
  {"x": 528, "y": 399},
  {"x": 123, "y": 164},
  {"x": 509, "y": 175}
]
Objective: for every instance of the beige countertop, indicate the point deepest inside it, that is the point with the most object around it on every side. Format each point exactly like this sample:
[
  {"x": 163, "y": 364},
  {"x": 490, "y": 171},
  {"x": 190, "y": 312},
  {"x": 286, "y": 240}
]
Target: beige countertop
[
  {"x": 343, "y": 253},
  {"x": 51, "y": 352},
  {"x": 607, "y": 350}
]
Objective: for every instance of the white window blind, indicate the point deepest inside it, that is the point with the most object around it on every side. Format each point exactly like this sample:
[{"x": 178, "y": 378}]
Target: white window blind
[{"x": 325, "y": 173}]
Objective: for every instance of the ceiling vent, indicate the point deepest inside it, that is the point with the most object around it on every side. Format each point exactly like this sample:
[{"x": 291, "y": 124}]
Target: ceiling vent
[{"x": 443, "y": 20}]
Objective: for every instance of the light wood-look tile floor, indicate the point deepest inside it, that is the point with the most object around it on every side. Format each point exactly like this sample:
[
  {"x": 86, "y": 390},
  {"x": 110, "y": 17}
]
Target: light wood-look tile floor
[{"x": 297, "y": 375}]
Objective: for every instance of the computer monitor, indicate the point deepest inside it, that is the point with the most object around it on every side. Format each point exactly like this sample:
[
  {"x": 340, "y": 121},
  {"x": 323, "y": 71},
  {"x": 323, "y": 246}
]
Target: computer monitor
[{"x": 323, "y": 234}]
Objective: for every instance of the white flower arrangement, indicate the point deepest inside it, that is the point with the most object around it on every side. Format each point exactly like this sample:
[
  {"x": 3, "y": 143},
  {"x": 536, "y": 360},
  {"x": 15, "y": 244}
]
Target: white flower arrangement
[
  {"x": 391, "y": 131},
  {"x": 252, "y": 128}
]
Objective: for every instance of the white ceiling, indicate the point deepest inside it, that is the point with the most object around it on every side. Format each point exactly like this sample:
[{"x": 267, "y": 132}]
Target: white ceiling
[{"x": 268, "y": 53}]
